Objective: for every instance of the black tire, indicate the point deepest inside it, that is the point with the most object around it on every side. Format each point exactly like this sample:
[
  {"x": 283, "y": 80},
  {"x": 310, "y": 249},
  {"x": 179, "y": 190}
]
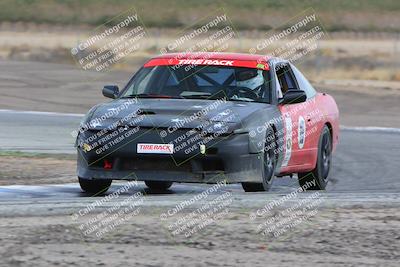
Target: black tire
[
  {"x": 324, "y": 160},
  {"x": 97, "y": 187},
  {"x": 158, "y": 185},
  {"x": 269, "y": 164}
]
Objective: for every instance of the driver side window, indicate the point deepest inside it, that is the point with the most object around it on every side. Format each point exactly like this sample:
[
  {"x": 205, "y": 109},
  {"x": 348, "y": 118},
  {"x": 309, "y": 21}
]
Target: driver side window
[{"x": 285, "y": 78}]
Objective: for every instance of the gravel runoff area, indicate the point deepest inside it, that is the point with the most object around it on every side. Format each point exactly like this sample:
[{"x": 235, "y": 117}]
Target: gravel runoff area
[{"x": 358, "y": 234}]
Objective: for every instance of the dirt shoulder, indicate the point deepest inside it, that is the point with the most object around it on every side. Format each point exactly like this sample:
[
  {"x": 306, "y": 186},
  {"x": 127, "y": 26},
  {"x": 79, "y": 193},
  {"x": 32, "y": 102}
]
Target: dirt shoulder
[
  {"x": 364, "y": 104},
  {"x": 30, "y": 169},
  {"x": 354, "y": 236}
]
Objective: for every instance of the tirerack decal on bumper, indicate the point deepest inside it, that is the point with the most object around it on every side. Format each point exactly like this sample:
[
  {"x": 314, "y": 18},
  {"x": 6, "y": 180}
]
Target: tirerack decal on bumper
[{"x": 155, "y": 148}]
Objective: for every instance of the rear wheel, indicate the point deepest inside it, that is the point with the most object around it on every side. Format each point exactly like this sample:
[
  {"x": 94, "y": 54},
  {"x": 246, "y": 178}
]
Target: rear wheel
[
  {"x": 269, "y": 163},
  {"x": 94, "y": 186},
  {"x": 158, "y": 185},
  {"x": 317, "y": 179}
]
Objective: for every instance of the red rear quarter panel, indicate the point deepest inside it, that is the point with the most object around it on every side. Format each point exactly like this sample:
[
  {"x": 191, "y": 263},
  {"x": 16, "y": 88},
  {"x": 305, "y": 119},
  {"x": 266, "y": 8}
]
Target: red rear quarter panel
[{"x": 328, "y": 108}]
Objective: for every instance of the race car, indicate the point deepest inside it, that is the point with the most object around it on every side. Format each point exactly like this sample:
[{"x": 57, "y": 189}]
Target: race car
[{"x": 209, "y": 118}]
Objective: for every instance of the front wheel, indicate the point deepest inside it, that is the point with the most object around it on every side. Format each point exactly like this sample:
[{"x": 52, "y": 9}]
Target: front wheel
[
  {"x": 317, "y": 179},
  {"x": 94, "y": 186},
  {"x": 269, "y": 163}
]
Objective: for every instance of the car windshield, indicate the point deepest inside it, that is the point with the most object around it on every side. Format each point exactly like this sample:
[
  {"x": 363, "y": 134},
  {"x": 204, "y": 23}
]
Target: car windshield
[{"x": 200, "y": 82}]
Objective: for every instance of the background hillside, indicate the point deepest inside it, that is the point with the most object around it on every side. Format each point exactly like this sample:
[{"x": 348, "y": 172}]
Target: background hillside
[{"x": 338, "y": 15}]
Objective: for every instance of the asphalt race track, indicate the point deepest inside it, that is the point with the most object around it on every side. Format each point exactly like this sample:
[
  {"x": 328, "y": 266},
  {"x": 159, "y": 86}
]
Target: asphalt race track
[
  {"x": 355, "y": 221},
  {"x": 365, "y": 165}
]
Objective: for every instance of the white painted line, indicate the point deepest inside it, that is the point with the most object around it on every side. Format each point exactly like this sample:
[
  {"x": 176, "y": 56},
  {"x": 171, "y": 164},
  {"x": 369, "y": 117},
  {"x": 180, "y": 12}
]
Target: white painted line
[
  {"x": 45, "y": 113},
  {"x": 342, "y": 127},
  {"x": 370, "y": 129},
  {"x": 37, "y": 187}
]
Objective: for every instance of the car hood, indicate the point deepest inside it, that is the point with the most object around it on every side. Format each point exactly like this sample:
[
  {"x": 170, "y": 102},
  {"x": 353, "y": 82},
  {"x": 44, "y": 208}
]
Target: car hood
[{"x": 180, "y": 113}]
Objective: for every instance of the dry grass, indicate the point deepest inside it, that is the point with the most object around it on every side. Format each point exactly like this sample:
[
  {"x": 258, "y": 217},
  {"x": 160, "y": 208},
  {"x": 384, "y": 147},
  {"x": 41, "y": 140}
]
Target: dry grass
[
  {"x": 380, "y": 74},
  {"x": 336, "y": 58},
  {"x": 338, "y": 15}
]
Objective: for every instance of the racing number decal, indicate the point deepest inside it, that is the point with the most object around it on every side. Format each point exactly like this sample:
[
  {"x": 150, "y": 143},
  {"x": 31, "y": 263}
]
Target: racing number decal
[
  {"x": 301, "y": 133},
  {"x": 288, "y": 133}
]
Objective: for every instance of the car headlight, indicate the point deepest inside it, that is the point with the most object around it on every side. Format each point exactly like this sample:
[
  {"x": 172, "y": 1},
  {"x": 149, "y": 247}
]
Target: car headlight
[{"x": 85, "y": 121}]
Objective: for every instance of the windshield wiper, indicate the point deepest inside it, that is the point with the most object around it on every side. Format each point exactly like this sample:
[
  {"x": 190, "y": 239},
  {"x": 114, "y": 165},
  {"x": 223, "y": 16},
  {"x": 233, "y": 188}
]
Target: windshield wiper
[
  {"x": 205, "y": 96},
  {"x": 242, "y": 100},
  {"x": 200, "y": 95},
  {"x": 150, "y": 96}
]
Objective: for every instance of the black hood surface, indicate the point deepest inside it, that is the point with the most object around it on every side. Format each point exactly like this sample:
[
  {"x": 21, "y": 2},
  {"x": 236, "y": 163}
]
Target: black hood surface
[{"x": 181, "y": 113}]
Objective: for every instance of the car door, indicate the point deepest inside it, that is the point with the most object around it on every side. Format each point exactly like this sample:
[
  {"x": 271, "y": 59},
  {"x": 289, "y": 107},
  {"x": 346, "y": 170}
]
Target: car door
[
  {"x": 314, "y": 114},
  {"x": 298, "y": 150}
]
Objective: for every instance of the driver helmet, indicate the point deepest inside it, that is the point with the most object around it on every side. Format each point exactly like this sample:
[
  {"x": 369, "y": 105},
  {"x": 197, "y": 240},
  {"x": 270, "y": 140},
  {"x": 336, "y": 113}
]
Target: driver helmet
[{"x": 253, "y": 82}]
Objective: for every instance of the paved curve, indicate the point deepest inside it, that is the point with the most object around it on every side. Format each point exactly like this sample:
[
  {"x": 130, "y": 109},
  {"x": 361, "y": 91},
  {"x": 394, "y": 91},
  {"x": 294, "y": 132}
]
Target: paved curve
[{"x": 366, "y": 162}]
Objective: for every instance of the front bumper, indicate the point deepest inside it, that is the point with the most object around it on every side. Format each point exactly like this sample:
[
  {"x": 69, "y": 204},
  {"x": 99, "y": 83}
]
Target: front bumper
[{"x": 227, "y": 158}]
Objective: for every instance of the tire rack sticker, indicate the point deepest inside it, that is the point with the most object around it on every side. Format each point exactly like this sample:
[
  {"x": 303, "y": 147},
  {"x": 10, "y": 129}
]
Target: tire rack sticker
[
  {"x": 301, "y": 137},
  {"x": 288, "y": 146}
]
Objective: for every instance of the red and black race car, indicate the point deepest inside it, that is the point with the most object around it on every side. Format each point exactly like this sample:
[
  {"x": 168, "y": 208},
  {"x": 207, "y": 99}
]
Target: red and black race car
[{"x": 210, "y": 117}]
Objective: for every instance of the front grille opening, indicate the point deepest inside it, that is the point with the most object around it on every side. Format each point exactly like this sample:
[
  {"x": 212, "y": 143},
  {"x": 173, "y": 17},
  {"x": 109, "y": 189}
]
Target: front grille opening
[
  {"x": 167, "y": 164},
  {"x": 212, "y": 151},
  {"x": 146, "y": 112},
  {"x": 213, "y": 164}
]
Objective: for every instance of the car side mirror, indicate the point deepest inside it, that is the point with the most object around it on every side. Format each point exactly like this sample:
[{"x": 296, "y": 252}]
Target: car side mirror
[
  {"x": 293, "y": 97},
  {"x": 111, "y": 91}
]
